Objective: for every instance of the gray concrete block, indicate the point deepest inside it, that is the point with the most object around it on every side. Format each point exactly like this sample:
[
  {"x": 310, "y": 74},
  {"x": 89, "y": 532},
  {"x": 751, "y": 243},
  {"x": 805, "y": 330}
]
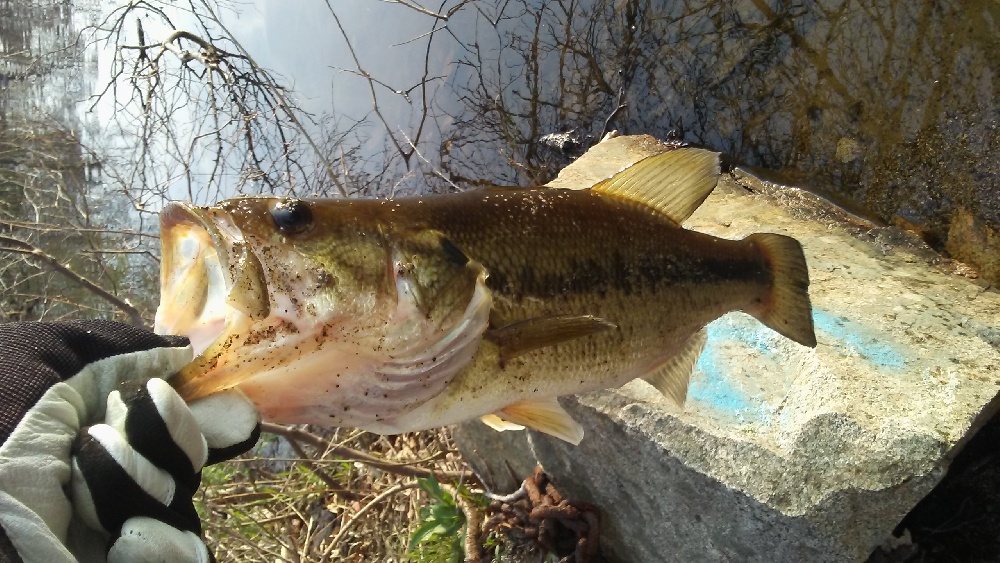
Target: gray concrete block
[{"x": 781, "y": 453}]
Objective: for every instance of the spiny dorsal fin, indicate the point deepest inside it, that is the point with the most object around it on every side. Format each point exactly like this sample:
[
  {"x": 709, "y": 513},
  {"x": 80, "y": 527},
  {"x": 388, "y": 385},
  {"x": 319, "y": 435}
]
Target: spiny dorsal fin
[
  {"x": 673, "y": 377},
  {"x": 539, "y": 332},
  {"x": 544, "y": 415},
  {"x": 674, "y": 183}
]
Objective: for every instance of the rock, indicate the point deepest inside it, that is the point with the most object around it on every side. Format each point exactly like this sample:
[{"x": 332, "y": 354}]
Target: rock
[
  {"x": 974, "y": 241},
  {"x": 781, "y": 453}
]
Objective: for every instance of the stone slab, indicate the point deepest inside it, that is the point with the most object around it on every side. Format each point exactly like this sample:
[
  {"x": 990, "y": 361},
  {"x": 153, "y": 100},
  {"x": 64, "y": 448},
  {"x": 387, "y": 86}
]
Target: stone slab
[{"x": 781, "y": 453}]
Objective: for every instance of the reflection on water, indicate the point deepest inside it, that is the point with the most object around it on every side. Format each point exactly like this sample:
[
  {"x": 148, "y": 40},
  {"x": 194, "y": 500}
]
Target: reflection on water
[
  {"x": 41, "y": 69},
  {"x": 889, "y": 103},
  {"x": 48, "y": 212}
]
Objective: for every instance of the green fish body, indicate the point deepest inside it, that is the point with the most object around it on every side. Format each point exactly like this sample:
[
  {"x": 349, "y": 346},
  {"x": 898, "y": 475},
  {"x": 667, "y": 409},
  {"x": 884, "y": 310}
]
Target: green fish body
[{"x": 406, "y": 314}]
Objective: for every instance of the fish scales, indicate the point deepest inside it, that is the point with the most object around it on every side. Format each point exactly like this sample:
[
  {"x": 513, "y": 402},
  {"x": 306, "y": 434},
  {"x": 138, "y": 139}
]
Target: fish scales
[
  {"x": 591, "y": 255},
  {"x": 396, "y": 315}
]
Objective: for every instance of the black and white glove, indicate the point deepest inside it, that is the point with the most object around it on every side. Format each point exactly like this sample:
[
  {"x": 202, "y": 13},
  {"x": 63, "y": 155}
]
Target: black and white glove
[{"x": 99, "y": 457}]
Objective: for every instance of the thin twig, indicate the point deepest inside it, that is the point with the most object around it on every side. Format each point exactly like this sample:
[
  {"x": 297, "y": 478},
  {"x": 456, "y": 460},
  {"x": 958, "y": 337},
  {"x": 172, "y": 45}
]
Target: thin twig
[
  {"x": 433, "y": 14},
  {"x": 28, "y": 249},
  {"x": 356, "y": 455},
  {"x": 335, "y": 486},
  {"x": 346, "y": 526}
]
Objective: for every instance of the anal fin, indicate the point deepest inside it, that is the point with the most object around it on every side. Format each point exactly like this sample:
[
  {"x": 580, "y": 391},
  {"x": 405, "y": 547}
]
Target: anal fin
[
  {"x": 672, "y": 378},
  {"x": 531, "y": 334},
  {"x": 544, "y": 415}
]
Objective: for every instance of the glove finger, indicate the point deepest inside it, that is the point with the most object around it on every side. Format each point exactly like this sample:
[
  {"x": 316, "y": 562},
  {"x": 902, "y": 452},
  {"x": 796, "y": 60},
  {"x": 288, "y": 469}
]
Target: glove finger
[
  {"x": 158, "y": 424},
  {"x": 112, "y": 482},
  {"x": 230, "y": 423},
  {"x": 147, "y": 539},
  {"x": 91, "y": 355}
]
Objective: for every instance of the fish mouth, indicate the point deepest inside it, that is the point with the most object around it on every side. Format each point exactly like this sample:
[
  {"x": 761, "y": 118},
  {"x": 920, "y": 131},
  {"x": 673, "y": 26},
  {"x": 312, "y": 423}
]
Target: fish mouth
[{"x": 209, "y": 278}]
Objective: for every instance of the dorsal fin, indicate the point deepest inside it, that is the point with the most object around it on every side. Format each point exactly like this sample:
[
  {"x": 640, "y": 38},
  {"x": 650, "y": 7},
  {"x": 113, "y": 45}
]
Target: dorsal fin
[{"x": 673, "y": 182}]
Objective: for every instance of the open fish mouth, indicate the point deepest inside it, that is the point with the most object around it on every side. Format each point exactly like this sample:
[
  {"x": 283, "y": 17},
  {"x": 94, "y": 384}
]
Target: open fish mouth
[{"x": 209, "y": 278}]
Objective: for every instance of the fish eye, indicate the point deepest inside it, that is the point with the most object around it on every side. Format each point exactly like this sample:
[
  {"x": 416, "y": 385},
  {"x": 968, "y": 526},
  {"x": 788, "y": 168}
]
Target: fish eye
[{"x": 292, "y": 216}]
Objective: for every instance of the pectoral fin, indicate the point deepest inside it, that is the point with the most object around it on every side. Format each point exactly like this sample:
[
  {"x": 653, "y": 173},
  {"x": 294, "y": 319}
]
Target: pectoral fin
[
  {"x": 499, "y": 424},
  {"x": 544, "y": 415},
  {"x": 531, "y": 334},
  {"x": 672, "y": 378}
]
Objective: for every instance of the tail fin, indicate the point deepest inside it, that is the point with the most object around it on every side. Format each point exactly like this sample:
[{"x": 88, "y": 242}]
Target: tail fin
[{"x": 786, "y": 310}]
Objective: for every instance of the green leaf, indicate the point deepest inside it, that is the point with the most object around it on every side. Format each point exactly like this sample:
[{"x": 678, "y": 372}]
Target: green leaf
[
  {"x": 452, "y": 528},
  {"x": 426, "y": 530},
  {"x": 432, "y": 488},
  {"x": 443, "y": 512}
]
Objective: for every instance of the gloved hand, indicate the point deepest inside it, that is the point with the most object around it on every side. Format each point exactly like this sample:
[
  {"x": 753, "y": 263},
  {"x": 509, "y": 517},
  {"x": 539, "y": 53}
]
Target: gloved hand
[{"x": 99, "y": 457}]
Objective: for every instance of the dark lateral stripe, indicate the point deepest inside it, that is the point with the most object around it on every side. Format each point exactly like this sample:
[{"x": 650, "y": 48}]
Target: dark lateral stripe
[
  {"x": 633, "y": 276},
  {"x": 453, "y": 253},
  {"x": 117, "y": 497}
]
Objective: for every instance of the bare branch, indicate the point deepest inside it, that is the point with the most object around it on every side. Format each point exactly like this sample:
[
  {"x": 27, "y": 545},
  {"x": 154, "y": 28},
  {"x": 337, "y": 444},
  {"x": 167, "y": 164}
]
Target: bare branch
[
  {"x": 433, "y": 14},
  {"x": 356, "y": 455},
  {"x": 21, "y": 247},
  {"x": 346, "y": 527}
]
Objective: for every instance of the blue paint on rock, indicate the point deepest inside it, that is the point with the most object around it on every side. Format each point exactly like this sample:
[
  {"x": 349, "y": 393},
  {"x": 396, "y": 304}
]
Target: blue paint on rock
[
  {"x": 713, "y": 387},
  {"x": 866, "y": 342}
]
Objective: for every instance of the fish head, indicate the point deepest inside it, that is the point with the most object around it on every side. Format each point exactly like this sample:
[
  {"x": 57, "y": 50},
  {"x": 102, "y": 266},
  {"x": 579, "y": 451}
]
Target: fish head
[{"x": 313, "y": 308}]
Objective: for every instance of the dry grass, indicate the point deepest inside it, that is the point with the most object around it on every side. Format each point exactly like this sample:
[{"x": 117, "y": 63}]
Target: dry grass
[{"x": 338, "y": 495}]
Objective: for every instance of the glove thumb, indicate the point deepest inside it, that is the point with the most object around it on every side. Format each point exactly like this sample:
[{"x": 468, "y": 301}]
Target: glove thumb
[{"x": 147, "y": 539}]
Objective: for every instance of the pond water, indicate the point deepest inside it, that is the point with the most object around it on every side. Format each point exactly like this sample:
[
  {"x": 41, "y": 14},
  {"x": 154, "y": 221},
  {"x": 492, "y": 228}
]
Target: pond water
[{"x": 888, "y": 105}]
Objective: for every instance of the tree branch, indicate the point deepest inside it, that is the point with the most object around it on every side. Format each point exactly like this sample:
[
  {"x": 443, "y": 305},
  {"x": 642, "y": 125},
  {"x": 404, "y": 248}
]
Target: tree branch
[
  {"x": 293, "y": 434},
  {"x": 21, "y": 247}
]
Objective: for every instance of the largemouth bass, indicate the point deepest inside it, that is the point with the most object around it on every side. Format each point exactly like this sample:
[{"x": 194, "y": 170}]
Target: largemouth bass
[{"x": 407, "y": 314}]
